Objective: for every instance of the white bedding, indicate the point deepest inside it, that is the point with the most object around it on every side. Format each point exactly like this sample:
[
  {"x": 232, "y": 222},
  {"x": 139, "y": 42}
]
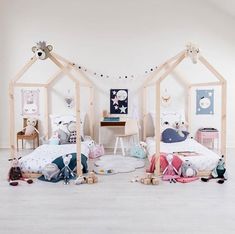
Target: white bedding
[
  {"x": 206, "y": 160},
  {"x": 44, "y": 154}
]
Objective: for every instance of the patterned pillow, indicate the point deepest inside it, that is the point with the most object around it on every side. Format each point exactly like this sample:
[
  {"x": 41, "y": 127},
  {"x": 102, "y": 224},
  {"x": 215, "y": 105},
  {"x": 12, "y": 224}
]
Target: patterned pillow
[{"x": 73, "y": 137}]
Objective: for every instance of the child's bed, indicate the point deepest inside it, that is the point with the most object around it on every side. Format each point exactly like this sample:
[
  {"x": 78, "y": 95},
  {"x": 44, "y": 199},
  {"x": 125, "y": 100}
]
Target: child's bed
[
  {"x": 44, "y": 154},
  {"x": 206, "y": 160}
]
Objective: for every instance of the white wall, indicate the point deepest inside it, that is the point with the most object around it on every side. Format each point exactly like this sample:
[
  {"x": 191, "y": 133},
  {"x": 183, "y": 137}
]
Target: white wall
[{"x": 114, "y": 37}]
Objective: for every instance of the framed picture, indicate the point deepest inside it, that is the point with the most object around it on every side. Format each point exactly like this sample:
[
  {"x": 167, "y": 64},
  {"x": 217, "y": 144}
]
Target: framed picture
[
  {"x": 118, "y": 101},
  {"x": 30, "y": 102},
  {"x": 205, "y": 102}
]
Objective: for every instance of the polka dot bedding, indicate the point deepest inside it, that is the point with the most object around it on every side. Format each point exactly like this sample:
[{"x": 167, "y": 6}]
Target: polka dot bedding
[{"x": 44, "y": 154}]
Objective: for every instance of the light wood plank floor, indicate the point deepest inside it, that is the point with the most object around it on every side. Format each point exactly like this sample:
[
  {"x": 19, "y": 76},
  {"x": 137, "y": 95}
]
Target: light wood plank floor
[{"x": 115, "y": 205}]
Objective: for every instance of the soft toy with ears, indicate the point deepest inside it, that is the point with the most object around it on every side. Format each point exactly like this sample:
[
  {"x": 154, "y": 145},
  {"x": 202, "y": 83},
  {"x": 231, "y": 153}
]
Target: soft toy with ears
[
  {"x": 30, "y": 128},
  {"x": 66, "y": 173},
  {"x": 181, "y": 127},
  {"x": 219, "y": 172},
  {"x": 41, "y": 50},
  {"x": 15, "y": 173}
]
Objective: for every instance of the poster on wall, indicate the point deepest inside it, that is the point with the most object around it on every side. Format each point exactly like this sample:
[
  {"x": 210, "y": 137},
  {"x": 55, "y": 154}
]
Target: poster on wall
[
  {"x": 118, "y": 101},
  {"x": 205, "y": 102},
  {"x": 30, "y": 102}
]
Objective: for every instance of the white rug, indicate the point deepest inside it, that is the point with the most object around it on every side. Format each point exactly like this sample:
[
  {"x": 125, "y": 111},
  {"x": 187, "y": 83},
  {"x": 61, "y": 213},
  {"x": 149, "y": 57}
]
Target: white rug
[{"x": 112, "y": 164}]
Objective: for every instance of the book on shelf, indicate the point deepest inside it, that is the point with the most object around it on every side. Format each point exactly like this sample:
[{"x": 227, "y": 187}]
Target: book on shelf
[{"x": 111, "y": 119}]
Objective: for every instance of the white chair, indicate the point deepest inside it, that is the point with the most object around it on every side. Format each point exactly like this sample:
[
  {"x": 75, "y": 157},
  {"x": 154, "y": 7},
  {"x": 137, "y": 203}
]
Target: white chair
[{"x": 131, "y": 131}]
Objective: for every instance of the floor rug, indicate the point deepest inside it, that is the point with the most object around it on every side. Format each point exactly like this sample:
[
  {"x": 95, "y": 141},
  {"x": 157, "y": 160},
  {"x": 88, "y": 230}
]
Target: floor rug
[{"x": 112, "y": 164}]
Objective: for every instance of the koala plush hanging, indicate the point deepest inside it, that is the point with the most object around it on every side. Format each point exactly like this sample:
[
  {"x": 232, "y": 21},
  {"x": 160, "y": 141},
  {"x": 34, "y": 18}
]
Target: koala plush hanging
[{"x": 41, "y": 50}]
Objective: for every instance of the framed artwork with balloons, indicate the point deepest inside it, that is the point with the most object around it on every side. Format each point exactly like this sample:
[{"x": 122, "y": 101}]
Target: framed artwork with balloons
[
  {"x": 119, "y": 101},
  {"x": 30, "y": 102}
]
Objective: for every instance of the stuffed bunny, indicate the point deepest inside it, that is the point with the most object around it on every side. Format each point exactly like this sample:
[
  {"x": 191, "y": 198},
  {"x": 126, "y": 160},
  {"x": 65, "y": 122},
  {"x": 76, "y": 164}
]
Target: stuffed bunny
[
  {"x": 30, "y": 128},
  {"x": 15, "y": 173},
  {"x": 170, "y": 173},
  {"x": 66, "y": 173}
]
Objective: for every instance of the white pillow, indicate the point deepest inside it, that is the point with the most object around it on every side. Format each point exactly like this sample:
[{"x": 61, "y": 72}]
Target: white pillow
[
  {"x": 169, "y": 117},
  {"x": 57, "y": 122}
]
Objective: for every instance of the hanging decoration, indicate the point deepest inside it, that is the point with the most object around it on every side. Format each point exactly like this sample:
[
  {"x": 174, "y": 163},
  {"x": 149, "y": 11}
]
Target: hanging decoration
[
  {"x": 30, "y": 102},
  {"x": 205, "y": 102},
  {"x": 165, "y": 98},
  {"x": 118, "y": 101},
  {"x": 69, "y": 100},
  {"x": 99, "y": 75}
]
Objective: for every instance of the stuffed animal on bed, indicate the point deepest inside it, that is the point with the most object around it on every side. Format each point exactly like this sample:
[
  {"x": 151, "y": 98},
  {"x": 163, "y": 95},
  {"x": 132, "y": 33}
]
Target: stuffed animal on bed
[
  {"x": 188, "y": 169},
  {"x": 51, "y": 171},
  {"x": 15, "y": 173},
  {"x": 41, "y": 50},
  {"x": 66, "y": 173},
  {"x": 171, "y": 135},
  {"x": 181, "y": 127},
  {"x": 30, "y": 128},
  {"x": 219, "y": 172}
]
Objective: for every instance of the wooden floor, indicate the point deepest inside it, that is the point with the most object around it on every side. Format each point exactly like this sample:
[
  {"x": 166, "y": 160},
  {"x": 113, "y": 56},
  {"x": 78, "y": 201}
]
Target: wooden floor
[{"x": 115, "y": 205}]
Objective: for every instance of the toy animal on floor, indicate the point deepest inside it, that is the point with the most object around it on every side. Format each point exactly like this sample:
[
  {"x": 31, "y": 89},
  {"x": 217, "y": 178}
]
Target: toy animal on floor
[
  {"x": 66, "y": 173},
  {"x": 30, "y": 127},
  {"x": 170, "y": 173},
  {"x": 15, "y": 173},
  {"x": 193, "y": 52},
  {"x": 41, "y": 50},
  {"x": 188, "y": 169},
  {"x": 219, "y": 172}
]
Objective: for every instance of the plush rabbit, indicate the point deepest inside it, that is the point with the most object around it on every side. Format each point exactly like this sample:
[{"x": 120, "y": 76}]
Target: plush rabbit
[
  {"x": 66, "y": 173},
  {"x": 15, "y": 173},
  {"x": 170, "y": 173},
  {"x": 30, "y": 128}
]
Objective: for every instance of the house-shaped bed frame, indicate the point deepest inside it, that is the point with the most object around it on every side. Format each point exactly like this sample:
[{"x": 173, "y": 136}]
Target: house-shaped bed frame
[
  {"x": 167, "y": 68},
  {"x": 65, "y": 67}
]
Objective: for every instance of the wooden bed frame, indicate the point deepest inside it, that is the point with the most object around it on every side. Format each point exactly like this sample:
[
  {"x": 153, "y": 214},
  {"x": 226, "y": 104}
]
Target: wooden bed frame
[
  {"x": 167, "y": 68},
  {"x": 65, "y": 67}
]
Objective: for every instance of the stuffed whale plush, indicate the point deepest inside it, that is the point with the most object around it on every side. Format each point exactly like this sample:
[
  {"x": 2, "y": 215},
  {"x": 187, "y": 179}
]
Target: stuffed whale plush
[{"x": 171, "y": 135}]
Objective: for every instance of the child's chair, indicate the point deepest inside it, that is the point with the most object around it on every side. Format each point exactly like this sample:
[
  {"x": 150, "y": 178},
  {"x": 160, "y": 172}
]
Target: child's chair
[
  {"x": 21, "y": 136},
  {"x": 131, "y": 133}
]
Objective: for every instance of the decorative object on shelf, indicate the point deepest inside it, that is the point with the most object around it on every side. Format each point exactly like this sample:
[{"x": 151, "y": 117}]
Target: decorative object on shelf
[
  {"x": 193, "y": 52},
  {"x": 69, "y": 100},
  {"x": 41, "y": 50},
  {"x": 118, "y": 101},
  {"x": 30, "y": 102},
  {"x": 208, "y": 137},
  {"x": 205, "y": 101},
  {"x": 165, "y": 98}
]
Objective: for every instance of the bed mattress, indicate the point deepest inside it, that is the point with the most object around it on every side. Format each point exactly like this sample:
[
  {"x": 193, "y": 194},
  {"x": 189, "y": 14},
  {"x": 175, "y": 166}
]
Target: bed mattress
[
  {"x": 205, "y": 160},
  {"x": 44, "y": 154}
]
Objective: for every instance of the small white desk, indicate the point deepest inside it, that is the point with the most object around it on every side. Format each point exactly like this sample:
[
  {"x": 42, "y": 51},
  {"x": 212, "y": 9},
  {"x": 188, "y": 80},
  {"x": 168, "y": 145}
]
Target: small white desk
[{"x": 110, "y": 124}]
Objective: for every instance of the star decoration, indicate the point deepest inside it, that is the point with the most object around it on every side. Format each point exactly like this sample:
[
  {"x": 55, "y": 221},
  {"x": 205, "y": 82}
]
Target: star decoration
[
  {"x": 114, "y": 92},
  {"x": 115, "y": 100},
  {"x": 123, "y": 109},
  {"x": 116, "y": 107}
]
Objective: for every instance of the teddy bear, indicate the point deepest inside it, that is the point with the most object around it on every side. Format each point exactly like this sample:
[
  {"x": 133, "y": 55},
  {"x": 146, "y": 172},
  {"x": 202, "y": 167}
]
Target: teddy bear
[
  {"x": 15, "y": 173},
  {"x": 41, "y": 50},
  {"x": 30, "y": 127},
  {"x": 188, "y": 169},
  {"x": 219, "y": 172},
  {"x": 66, "y": 173}
]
